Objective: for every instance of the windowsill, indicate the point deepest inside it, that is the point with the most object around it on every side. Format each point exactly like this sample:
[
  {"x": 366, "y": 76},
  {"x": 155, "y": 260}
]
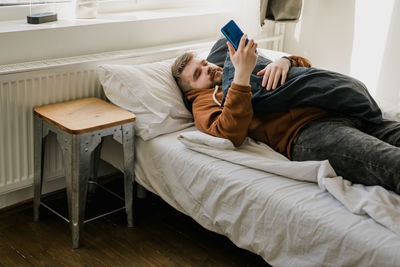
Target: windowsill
[
  {"x": 11, "y": 26},
  {"x": 21, "y": 25}
]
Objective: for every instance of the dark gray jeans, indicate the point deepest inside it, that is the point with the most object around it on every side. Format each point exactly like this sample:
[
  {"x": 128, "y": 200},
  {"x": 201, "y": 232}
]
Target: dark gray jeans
[{"x": 359, "y": 151}]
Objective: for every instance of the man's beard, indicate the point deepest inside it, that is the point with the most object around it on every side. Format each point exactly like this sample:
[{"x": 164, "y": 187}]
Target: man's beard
[{"x": 218, "y": 71}]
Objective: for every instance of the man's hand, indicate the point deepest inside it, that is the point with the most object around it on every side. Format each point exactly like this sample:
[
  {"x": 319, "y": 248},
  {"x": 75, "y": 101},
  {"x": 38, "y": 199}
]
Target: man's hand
[
  {"x": 244, "y": 60},
  {"x": 273, "y": 72}
]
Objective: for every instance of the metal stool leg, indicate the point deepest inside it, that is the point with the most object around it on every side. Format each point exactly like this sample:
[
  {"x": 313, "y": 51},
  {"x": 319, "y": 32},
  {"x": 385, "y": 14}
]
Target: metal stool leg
[
  {"x": 66, "y": 142},
  {"x": 76, "y": 155},
  {"x": 38, "y": 165},
  {"x": 80, "y": 178},
  {"x": 94, "y": 167},
  {"x": 128, "y": 143}
]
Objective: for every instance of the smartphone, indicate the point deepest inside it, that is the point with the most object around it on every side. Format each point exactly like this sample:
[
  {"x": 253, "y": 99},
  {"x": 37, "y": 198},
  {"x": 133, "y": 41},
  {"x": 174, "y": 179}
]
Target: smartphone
[{"x": 233, "y": 33}]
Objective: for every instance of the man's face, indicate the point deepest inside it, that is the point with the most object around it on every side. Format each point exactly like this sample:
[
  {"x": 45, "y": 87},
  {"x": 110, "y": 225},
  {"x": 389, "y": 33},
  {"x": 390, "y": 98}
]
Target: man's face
[{"x": 200, "y": 74}]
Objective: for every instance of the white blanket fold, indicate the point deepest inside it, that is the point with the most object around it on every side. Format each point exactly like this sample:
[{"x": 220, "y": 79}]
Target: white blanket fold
[{"x": 381, "y": 205}]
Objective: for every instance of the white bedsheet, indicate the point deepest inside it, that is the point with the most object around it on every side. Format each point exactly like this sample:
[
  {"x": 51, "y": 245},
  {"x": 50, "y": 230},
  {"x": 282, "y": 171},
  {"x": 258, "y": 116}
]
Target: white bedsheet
[
  {"x": 287, "y": 222},
  {"x": 375, "y": 201}
]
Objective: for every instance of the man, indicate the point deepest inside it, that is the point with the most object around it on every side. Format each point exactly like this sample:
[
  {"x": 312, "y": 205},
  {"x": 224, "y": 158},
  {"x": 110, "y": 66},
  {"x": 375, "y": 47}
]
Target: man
[{"x": 360, "y": 151}]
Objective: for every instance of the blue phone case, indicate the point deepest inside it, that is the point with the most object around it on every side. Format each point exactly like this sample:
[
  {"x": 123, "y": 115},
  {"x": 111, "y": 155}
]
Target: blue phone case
[{"x": 233, "y": 33}]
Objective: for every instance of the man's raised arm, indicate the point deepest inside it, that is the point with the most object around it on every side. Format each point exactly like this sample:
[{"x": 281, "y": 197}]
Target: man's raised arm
[{"x": 231, "y": 121}]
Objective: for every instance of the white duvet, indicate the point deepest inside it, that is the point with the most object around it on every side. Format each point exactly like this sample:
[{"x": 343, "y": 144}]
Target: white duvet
[
  {"x": 286, "y": 221},
  {"x": 375, "y": 201}
]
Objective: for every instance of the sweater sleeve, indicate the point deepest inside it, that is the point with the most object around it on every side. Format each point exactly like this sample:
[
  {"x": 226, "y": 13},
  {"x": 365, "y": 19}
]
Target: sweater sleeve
[
  {"x": 300, "y": 62},
  {"x": 230, "y": 122}
]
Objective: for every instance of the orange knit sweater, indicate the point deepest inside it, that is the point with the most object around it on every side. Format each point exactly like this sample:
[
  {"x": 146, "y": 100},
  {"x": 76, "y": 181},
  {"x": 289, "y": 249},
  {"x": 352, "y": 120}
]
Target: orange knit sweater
[{"x": 236, "y": 120}]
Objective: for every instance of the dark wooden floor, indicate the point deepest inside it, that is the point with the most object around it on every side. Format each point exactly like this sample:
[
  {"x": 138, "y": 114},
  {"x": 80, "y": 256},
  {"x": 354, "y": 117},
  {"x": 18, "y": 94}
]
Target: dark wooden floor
[{"x": 162, "y": 237}]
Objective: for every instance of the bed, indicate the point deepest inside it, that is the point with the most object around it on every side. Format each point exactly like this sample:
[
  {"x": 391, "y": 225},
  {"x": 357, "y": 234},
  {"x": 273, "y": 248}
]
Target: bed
[{"x": 286, "y": 221}]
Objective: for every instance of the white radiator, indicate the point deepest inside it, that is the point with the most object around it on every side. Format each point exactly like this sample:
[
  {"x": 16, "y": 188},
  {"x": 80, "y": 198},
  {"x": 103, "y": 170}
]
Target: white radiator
[{"x": 19, "y": 93}]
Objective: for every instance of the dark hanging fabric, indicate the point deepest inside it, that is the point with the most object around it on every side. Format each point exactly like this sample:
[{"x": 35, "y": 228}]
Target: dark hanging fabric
[{"x": 280, "y": 10}]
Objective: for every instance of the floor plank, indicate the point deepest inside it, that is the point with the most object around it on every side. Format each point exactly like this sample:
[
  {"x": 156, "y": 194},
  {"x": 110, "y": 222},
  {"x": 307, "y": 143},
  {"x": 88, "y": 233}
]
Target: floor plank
[{"x": 162, "y": 237}]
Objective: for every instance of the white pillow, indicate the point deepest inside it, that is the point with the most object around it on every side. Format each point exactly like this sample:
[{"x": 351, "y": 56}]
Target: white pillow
[{"x": 149, "y": 91}]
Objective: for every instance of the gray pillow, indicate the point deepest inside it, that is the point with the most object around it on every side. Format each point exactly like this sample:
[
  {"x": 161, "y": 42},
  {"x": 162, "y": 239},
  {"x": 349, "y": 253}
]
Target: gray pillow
[{"x": 218, "y": 52}]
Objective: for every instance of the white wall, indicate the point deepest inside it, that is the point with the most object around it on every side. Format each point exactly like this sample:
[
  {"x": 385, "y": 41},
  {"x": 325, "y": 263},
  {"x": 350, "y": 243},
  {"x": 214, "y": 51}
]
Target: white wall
[
  {"x": 67, "y": 39},
  {"x": 324, "y": 34},
  {"x": 355, "y": 37},
  {"x": 389, "y": 75}
]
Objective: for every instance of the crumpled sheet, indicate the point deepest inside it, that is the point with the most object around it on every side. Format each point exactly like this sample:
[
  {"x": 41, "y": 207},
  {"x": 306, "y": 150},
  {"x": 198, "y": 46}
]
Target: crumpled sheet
[{"x": 380, "y": 204}]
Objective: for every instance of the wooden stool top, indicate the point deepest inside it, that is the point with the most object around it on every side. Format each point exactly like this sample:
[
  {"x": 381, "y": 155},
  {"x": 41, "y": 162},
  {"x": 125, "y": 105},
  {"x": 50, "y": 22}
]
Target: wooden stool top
[{"x": 84, "y": 115}]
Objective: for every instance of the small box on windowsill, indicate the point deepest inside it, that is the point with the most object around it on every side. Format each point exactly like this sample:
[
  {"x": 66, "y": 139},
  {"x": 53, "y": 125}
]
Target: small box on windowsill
[{"x": 41, "y": 17}]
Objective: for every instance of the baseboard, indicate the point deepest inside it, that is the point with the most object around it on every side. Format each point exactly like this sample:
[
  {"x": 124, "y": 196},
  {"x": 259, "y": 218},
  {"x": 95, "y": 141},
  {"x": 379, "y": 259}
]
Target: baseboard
[{"x": 24, "y": 194}]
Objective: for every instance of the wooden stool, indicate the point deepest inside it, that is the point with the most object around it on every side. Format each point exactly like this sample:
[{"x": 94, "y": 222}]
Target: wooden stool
[{"x": 80, "y": 126}]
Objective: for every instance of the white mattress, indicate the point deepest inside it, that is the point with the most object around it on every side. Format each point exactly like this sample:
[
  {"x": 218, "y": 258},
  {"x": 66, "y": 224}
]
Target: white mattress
[{"x": 285, "y": 221}]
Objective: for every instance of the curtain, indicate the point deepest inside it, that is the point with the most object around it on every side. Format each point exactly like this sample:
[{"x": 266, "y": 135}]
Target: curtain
[{"x": 280, "y": 10}]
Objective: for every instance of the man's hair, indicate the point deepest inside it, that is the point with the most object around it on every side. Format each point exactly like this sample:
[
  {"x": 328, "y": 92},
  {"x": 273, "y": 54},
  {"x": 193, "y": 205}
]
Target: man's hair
[{"x": 177, "y": 68}]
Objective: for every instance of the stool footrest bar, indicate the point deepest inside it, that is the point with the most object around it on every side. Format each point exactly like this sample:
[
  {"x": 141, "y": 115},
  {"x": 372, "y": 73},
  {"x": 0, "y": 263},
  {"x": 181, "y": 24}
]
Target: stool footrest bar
[
  {"x": 55, "y": 212},
  {"x": 106, "y": 189},
  {"x": 103, "y": 215}
]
